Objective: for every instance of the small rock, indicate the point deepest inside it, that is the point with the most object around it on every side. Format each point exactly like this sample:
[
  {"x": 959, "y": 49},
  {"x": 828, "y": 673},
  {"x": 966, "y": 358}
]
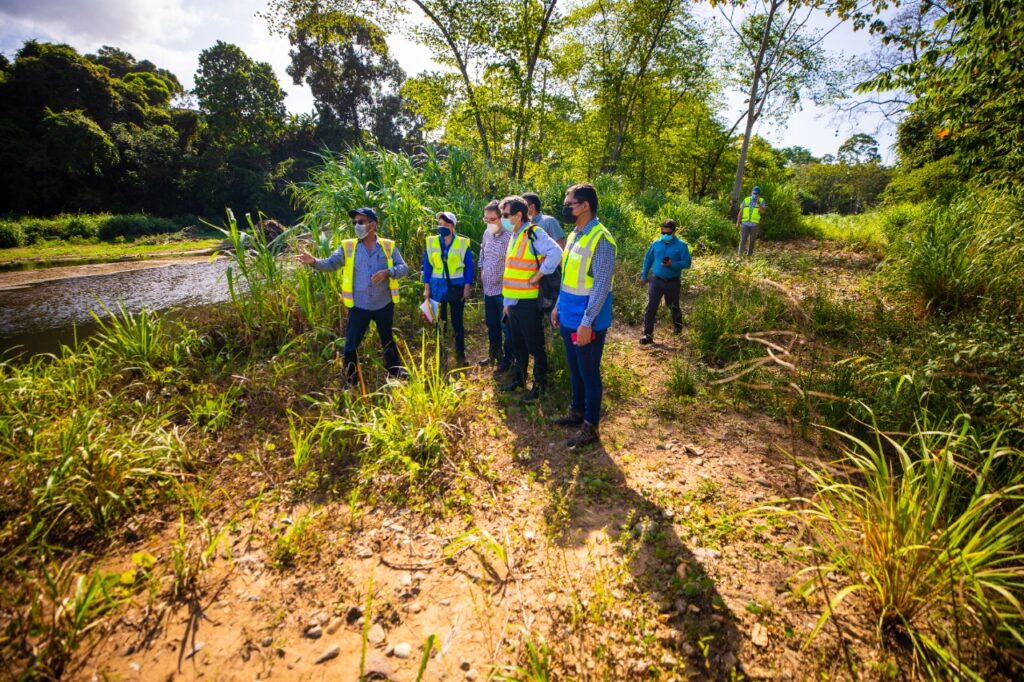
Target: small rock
[
  {"x": 128, "y": 650},
  {"x": 471, "y": 675},
  {"x": 626, "y": 613},
  {"x": 688, "y": 649},
  {"x": 267, "y": 641},
  {"x": 353, "y": 614},
  {"x": 389, "y": 650},
  {"x": 699, "y": 461},
  {"x": 705, "y": 555},
  {"x": 445, "y": 602},
  {"x": 465, "y": 665},
  {"x": 529, "y": 535},
  {"x": 364, "y": 553},
  {"x": 376, "y": 634},
  {"x": 413, "y": 608},
  {"x": 406, "y": 581},
  {"x": 669, "y": 661},
  {"x": 693, "y": 608},
  {"x": 729, "y": 660},
  {"x": 135, "y": 666},
  {"x": 335, "y": 623},
  {"x": 661, "y": 446},
  {"x": 759, "y": 635},
  {"x": 331, "y": 652},
  {"x": 314, "y": 632},
  {"x": 681, "y": 571},
  {"x": 402, "y": 650}
]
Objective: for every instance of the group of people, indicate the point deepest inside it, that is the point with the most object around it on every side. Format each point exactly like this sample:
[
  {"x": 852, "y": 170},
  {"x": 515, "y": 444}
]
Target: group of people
[{"x": 533, "y": 276}]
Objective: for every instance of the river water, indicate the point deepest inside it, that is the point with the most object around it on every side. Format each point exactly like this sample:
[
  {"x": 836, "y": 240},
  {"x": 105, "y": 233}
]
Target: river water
[{"x": 41, "y": 309}]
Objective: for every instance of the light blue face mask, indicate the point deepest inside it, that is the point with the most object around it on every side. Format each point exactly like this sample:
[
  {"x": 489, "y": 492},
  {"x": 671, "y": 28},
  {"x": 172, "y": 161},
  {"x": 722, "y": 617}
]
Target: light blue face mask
[
  {"x": 506, "y": 224},
  {"x": 667, "y": 238}
]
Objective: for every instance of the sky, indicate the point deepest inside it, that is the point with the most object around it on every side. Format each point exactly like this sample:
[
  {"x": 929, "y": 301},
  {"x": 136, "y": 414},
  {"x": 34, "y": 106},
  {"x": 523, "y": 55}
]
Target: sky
[{"x": 172, "y": 33}]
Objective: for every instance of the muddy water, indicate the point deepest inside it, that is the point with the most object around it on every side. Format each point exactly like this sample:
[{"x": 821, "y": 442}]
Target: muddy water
[{"x": 41, "y": 309}]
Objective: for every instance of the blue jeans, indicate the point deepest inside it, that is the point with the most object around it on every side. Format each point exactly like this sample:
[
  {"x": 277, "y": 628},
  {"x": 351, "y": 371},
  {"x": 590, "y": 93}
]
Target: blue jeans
[
  {"x": 359, "y": 323},
  {"x": 585, "y": 373},
  {"x": 499, "y": 336}
]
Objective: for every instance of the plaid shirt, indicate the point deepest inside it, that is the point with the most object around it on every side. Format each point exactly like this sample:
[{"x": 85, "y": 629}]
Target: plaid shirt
[{"x": 492, "y": 261}]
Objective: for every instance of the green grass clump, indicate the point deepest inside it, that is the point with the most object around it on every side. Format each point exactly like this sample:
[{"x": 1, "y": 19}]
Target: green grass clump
[
  {"x": 11, "y": 235},
  {"x": 929, "y": 532}
]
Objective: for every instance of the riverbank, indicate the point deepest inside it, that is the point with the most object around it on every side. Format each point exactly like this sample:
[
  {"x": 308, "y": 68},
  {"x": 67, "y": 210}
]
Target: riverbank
[{"x": 61, "y": 253}]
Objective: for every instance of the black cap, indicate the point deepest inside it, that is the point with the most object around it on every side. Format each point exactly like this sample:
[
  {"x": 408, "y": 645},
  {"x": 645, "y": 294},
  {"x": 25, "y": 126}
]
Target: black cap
[
  {"x": 365, "y": 212},
  {"x": 671, "y": 224}
]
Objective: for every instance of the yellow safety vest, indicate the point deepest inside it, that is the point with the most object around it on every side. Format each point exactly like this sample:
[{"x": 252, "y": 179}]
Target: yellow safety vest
[
  {"x": 456, "y": 256},
  {"x": 348, "y": 273},
  {"x": 750, "y": 214},
  {"x": 520, "y": 266},
  {"x": 577, "y": 257}
]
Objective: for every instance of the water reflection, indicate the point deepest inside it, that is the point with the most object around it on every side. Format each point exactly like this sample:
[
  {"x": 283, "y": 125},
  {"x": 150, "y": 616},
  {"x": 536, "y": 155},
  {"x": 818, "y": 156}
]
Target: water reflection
[{"x": 39, "y": 317}]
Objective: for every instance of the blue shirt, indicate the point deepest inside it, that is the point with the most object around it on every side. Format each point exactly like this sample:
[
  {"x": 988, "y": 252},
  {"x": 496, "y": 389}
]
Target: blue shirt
[
  {"x": 367, "y": 295},
  {"x": 676, "y": 249},
  {"x": 550, "y": 225},
  {"x": 436, "y": 280},
  {"x": 542, "y": 245},
  {"x": 598, "y": 310}
]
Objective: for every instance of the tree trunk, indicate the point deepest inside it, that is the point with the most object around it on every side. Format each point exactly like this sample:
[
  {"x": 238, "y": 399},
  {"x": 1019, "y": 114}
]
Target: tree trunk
[
  {"x": 464, "y": 70},
  {"x": 752, "y": 111}
]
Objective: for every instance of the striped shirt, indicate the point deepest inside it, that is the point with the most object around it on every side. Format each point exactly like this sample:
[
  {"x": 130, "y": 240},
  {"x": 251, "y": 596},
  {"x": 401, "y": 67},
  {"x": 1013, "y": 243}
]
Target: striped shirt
[{"x": 492, "y": 261}]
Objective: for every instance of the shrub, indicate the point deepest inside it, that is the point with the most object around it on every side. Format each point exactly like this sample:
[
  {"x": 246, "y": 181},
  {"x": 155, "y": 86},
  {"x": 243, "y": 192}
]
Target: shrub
[
  {"x": 134, "y": 225},
  {"x": 931, "y": 536},
  {"x": 938, "y": 180},
  {"x": 784, "y": 219},
  {"x": 703, "y": 227},
  {"x": 11, "y": 235}
]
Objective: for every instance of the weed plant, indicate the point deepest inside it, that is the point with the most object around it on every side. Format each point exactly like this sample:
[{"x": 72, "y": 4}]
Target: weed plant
[{"x": 929, "y": 532}]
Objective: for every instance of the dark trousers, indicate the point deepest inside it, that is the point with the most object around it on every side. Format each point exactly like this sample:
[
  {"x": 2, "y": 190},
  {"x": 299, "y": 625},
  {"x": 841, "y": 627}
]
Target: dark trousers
[
  {"x": 585, "y": 374},
  {"x": 656, "y": 289},
  {"x": 527, "y": 325},
  {"x": 499, "y": 335},
  {"x": 358, "y": 323},
  {"x": 453, "y": 307}
]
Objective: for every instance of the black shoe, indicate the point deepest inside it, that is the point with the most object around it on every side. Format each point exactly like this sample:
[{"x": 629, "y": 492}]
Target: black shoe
[
  {"x": 646, "y": 340},
  {"x": 502, "y": 367},
  {"x": 573, "y": 418},
  {"x": 460, "y": 360},
  {"x": 533, "y": 395},
  {"x": 511, "y": 386},
  {"x": 677, "y": 331},
  {"x": 585, "y": 436},
  {"x": 485, "y": 362}
]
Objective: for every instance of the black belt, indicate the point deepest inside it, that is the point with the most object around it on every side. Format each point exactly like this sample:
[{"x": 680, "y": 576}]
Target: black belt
[{"x": 666, "y": 279}]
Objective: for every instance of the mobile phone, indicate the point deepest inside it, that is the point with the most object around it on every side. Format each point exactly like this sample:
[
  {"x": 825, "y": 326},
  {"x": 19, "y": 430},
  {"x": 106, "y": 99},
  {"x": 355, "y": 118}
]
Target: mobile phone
[{"x": 572, "y": 337}]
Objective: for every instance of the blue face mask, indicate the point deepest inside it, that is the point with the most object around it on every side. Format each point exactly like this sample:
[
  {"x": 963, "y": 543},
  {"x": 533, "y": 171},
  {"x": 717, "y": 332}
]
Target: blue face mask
[
  {"x": 444, "y": 231},
  {"x": 506, "y": 224},
  {"x": 667, "y": 238}
]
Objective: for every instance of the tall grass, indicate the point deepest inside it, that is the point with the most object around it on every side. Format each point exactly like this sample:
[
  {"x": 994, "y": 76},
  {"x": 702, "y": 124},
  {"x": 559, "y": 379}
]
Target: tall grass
[{"x": 929, "y": 532}]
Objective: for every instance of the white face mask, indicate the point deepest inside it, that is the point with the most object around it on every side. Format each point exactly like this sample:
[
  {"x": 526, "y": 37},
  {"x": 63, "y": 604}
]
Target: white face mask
[
  {"x": 493, "y": 228},
  {"x": 361, "y": 230}
]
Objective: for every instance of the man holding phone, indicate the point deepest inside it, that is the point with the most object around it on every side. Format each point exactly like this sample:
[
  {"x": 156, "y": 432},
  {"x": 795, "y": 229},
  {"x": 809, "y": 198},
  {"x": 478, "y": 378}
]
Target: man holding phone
[{"x": 663, "y": 267}]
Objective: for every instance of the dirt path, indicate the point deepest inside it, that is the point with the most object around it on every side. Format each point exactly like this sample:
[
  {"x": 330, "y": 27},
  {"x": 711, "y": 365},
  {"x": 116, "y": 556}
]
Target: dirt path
[{"x": 631, "y": 560}]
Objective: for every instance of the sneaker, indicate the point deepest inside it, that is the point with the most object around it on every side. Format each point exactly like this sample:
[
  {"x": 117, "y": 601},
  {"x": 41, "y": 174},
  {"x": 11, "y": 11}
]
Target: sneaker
[
  {"x": 646, "y": 340},
  {"x": 572, "y": 418},
  {"x": 485, "y": 362},
  {"x": 511, "y": 386},
  {"x": 585, "y": 436},
  {"x": 533, "y": 395}
]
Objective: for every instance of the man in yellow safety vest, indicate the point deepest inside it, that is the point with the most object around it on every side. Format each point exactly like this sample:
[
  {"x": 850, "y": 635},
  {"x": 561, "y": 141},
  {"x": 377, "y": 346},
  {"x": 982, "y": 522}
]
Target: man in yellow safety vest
[
  {"x": 748, "y": 220},
  {"x": 370, "y": 269},
  {"x": 531, "y": 255},
  {"x": 584, "y": 310}
]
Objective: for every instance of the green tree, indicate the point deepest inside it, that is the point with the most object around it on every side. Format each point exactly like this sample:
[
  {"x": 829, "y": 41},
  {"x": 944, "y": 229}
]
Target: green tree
[
  {"x": 241, "y": 98},
  {"x": 345, "y": 62},
  {"x": 780, "y": 61},
  {"x": 859, "y": 148},
  {"x": 797, "y": 155}
]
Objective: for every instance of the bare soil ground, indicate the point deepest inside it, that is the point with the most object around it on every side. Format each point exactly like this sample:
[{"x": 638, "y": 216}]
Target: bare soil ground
[{"x": 636, "y": 559}]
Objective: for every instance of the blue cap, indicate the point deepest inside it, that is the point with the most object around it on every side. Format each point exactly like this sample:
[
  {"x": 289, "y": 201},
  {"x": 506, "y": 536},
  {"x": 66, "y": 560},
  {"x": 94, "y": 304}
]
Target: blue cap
[
  {"x": 756, "y": 190},
  {"x": 365, "y": 212}
]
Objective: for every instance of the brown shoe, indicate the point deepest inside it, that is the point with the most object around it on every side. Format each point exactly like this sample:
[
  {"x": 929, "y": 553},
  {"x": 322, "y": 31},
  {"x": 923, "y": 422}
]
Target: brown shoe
[
  {"x": 572, "y": 418},
  {"x": 585, "y": 436}
]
